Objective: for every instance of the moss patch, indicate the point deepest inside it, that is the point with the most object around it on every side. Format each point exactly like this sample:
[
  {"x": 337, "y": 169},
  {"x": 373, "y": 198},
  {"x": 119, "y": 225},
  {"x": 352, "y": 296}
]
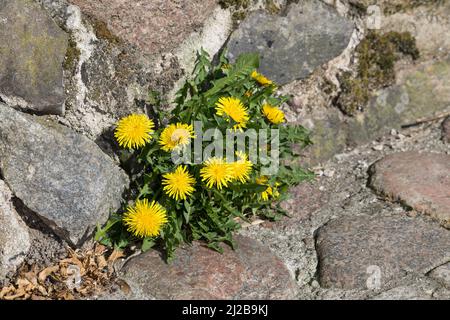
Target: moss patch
[
  {"x": 102, "y": 32},
  {"x": 377, "y": 55},
  {"x": 72, "y": 55}
]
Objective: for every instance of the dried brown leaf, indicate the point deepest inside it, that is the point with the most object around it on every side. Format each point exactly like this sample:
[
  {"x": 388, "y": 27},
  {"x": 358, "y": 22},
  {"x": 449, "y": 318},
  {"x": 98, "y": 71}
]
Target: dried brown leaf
[
  {"x": 46, "y": 272},
  {"x": 6, "y": 290},
  {"x": 18, "y": 294},
  {"x": 116, "y": 254},
  {"x": 101, "y": 262},
  {"x": 95, "y": 270},
  {"x": 42, "y": 291},
  {"x": 100, "y": 250},
  {"x": 32, "y": 277}
]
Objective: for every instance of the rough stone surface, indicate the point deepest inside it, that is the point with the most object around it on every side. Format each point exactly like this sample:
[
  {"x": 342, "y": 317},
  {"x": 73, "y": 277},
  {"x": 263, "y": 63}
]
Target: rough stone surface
[
  {"x": 105, "y": 79},
  {"x": 421, "y": 92},
  {"x": 292, "y": 46},
  {"x": 115, "y": 57},
  {"x": 305, "y": 199},
  {"x": 60, "y": 175},
  {"x": 411, "y": 292},
  {"x": 329, "y": 133},
  {"x": 32, "y": 51},
  {"x": 420, "y": 180},
  {"x": 14, "y": 236},
  {"x": 155, "y": 26},
  {"x": 252, "y": 271},
  {"x": 429, "y": 24},
  {"x": 442, "y": 274},
  {"x": 354, "y": 250},
  {"x": 446, "y": 130}
]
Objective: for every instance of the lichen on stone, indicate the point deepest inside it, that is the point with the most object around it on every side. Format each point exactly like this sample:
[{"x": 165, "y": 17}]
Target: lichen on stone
[{"x": 377, "y": 55}]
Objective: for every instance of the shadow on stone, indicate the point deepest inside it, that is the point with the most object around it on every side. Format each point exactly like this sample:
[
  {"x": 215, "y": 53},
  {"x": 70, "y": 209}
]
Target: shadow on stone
[{"x": 33, "y": 220}]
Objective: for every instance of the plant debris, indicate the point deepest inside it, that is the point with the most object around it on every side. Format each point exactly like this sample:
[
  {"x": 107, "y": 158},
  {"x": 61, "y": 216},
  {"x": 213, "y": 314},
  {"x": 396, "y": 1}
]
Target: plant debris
[{"x": 80, "y": 275}]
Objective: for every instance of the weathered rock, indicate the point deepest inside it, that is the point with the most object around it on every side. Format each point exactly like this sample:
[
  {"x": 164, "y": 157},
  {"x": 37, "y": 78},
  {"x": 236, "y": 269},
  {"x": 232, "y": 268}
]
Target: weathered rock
[
  {"x": 32, "y": 51},
  {"x": 429, "y": 24},
  {"x": 420, "y": 92},
  {"x": 159, "y": 28},
  {"x": 14, "y": 237},
  {"x": 104, "y": 79},
  {"x": 155, "y": 26},
  {"x": 368, "y": 251},
  {"x": 305, "y": 199},
  {"x": 62, "y": 176},
  {"x": 420, "y": 180},
  {"x": 252, "y": 271},
  {"x": 446, "y": 130},
  {"x": 122, "y": 50},
  {"x": 292, "y": 46},
  {"x": 329, "y": 134}
]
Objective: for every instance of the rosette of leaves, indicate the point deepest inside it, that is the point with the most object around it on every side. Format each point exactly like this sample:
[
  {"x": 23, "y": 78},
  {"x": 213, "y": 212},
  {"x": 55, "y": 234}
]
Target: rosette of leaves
[{"x": 210, "y": 214}]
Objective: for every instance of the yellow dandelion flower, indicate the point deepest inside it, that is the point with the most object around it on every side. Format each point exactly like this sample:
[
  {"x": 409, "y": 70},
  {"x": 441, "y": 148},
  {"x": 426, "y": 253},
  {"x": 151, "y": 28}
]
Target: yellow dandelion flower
[
  {"x": 145, "y": 219},
  {"x": 216, "y": 172},
  {"x": 134, "y": 131},
  {"x": 176, "y": 136},
  {"x": 262, "y": 80},
  {"x": 269, "y": 192},
  {"x": 178, "y": 184},
  {"x": 273, "y": 114},
  {"x": 240, "y": 169},
  {"x": 233, "y": 108},
  {"x": 262, "y": 180}
]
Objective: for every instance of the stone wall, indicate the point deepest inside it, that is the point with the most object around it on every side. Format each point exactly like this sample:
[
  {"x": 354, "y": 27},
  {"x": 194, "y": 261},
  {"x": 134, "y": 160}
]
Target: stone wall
[{"x": 69, "y": 69}]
